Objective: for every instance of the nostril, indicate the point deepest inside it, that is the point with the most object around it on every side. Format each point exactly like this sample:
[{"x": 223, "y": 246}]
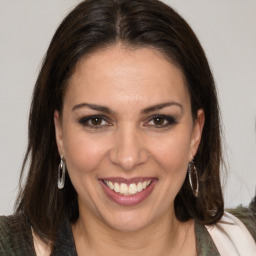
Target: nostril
[
  {"x": 128, "y": 149},
  {"x": 128, "y": 159}
]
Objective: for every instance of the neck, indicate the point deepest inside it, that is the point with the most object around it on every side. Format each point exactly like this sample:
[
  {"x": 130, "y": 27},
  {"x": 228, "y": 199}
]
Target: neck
[{"x": 167, "y": 234}]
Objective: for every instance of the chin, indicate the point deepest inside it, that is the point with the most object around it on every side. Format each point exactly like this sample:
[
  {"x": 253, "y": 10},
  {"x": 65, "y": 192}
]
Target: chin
[{"x": 128, "y": 222}]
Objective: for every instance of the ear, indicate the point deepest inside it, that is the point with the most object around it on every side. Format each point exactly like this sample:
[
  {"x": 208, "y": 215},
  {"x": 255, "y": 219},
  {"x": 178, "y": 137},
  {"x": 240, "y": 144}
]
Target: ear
[
  {"x": 197, "y": 133},
  {"x": 58, "y": 132}
]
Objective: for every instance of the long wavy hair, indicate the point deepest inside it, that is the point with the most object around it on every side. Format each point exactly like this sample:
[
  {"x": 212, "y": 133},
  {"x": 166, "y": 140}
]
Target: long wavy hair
[{"x": 94, "y": 25}]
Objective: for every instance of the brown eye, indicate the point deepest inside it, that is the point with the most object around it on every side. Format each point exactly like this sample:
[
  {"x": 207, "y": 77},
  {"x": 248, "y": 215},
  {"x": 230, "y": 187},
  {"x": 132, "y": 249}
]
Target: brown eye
[
  {"x": 96, "y": 121},
  {"x": 159, "y": 121}
]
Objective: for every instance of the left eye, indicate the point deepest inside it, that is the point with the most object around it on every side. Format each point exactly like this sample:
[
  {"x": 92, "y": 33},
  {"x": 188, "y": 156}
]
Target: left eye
[{"x": 160, "y": 121}]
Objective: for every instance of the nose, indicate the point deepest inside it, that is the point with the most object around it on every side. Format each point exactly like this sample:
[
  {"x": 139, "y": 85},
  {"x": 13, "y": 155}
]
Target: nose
[{"x": 128, "y": 149}]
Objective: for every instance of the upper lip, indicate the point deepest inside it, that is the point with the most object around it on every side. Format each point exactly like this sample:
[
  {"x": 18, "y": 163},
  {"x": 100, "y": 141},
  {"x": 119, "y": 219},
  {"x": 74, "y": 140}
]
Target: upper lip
[{"x": 128, "y": 181}]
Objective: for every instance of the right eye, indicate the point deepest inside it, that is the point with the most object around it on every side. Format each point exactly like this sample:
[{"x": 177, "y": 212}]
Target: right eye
[{"x": 94, "y": 122}]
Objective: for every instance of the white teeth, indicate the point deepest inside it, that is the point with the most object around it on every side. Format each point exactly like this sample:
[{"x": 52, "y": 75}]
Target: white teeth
[
  {"x": 110, "y": 184},
  {"x": 139, "y": 187},
  {"x": 130, "y": 189},
  {"x": 116, "y": 187},
  {"x": 123, "y": 188}
]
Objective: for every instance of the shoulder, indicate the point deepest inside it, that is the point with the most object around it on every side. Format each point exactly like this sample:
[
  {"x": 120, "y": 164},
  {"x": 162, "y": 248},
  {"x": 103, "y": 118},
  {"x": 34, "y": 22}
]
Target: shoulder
[
  {"x": 15, "y": 236},
  {"x": 247, "y": 215},
  {"x": 235, "y": 232}
]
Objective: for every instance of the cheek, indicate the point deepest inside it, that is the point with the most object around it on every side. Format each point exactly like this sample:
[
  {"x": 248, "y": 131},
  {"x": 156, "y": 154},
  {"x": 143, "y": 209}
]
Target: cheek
[
  {"x": 173, "y": 159},
  {"x": 172, "y": 154},
  {"x": 83, "y": 153}
]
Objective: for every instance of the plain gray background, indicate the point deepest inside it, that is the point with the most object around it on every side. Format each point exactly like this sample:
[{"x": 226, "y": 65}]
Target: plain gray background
[{"x": 227, "y": 31}]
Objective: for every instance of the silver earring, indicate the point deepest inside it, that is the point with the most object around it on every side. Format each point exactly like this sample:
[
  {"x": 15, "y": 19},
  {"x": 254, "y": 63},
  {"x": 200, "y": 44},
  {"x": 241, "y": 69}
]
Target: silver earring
[
  {"x": 193, "y": 178},
  {"x": 61, "y": 173}
]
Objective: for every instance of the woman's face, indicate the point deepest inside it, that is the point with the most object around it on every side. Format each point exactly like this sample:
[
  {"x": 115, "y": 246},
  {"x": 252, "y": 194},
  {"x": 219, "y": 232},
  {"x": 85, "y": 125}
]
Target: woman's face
[{"x": 127, "y": 135}]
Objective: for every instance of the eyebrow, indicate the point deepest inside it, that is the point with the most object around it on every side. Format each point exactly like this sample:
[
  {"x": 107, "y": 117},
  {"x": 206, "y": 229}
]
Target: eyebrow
[
  {"x": 161, "y": 106},
  {"x": 94, "y": 107},
  {"x": 109, "y": 111}
]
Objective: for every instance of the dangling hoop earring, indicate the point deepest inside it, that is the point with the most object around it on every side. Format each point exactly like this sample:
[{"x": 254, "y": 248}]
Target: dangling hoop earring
[
  {"x": 193, "y": 177},
  {"x": 61, "y": 173}
]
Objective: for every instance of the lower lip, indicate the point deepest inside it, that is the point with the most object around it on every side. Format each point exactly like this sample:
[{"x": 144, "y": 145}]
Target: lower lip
[{"x": 128, "y": 200}]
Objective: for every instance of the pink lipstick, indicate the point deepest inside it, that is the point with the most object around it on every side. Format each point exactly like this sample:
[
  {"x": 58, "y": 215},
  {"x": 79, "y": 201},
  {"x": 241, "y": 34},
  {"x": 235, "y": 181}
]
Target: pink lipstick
[{"x": 128, "y": 192}]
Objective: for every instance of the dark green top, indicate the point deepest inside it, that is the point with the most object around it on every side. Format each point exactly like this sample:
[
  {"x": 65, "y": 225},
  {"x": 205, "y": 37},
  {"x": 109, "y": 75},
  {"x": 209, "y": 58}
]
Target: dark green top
[{"x": 16, "y": 237}]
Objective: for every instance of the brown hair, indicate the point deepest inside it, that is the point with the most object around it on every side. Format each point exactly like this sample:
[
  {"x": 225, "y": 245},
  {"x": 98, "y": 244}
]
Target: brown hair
[{"x": 97, "y": 24}]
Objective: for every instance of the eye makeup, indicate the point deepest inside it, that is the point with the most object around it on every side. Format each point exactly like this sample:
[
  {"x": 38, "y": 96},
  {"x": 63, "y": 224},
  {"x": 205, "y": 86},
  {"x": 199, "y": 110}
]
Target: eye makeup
[
  {"x": 157, "y": 121},
  {"x": 161, "y": 121},
  {"x": 94, "y": 121}
]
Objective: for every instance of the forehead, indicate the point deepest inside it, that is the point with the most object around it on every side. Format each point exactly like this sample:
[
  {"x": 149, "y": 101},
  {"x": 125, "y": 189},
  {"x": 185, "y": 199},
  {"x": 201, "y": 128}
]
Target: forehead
[{"x": 126, "y": 74}]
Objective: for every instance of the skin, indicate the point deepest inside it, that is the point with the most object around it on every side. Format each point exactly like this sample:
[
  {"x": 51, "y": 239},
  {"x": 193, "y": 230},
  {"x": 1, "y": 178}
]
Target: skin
[{"x": 128, "y": 143}]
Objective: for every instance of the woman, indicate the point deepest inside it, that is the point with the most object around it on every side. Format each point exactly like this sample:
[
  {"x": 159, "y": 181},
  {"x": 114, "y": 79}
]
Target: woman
[{"x": 124, "y": 142}]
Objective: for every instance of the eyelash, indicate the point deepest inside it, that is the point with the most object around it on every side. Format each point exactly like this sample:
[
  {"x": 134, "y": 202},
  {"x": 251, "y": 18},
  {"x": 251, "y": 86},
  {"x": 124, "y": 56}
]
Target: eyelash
[
  {"x": 86, "y": 121},
  {"x": 169, "y": 120}
]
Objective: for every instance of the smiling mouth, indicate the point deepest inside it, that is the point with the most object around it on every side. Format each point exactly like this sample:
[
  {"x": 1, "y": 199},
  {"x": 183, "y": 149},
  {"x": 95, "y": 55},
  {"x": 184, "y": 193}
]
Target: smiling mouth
[
  {"x": 128, "y": 192},
  {"x": 127, "y": 189}
]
